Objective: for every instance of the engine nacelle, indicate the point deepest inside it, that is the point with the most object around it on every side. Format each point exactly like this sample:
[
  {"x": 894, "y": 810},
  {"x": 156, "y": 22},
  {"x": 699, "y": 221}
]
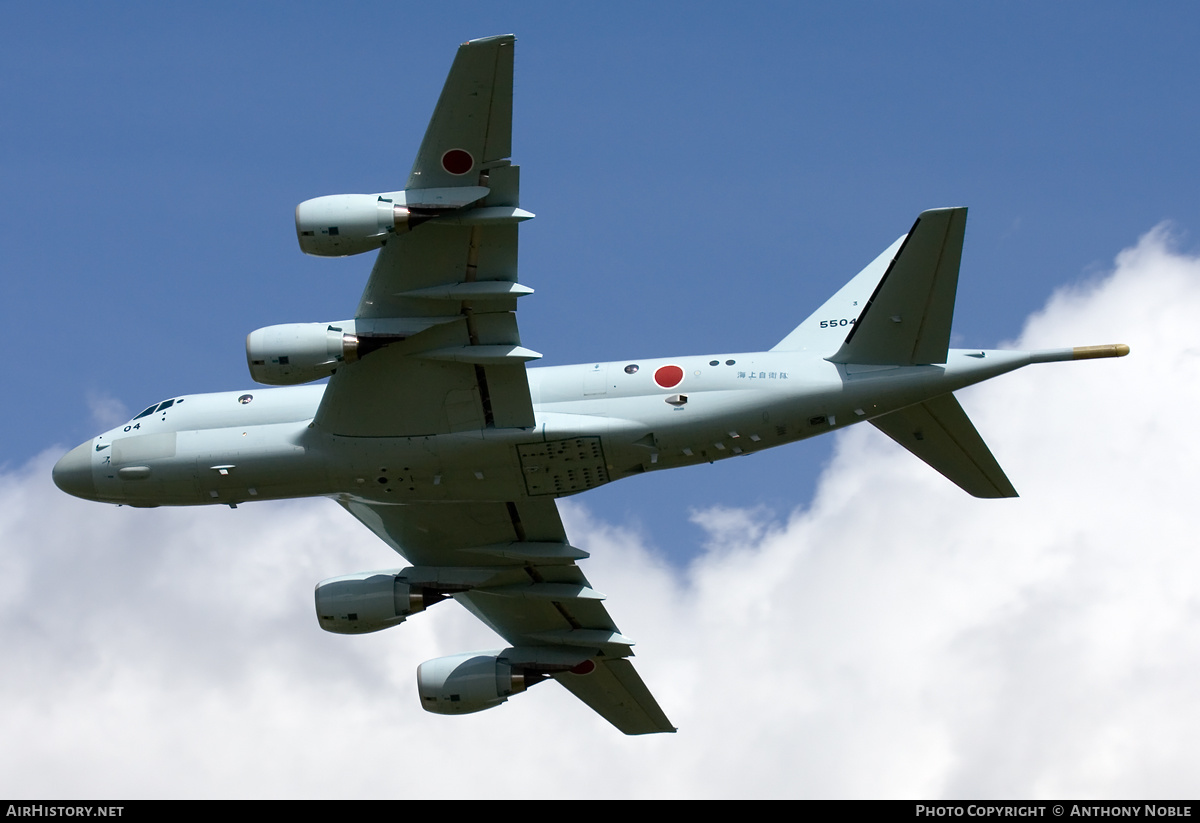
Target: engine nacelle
[
  {"x": 466, "y": 683},
  {"x": 366, "y": 602},
  {"x": 339, "y": 225},
  {"x": 295, "y": 353}
]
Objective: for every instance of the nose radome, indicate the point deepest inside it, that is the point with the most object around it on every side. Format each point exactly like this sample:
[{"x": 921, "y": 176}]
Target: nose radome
[{"x": 73, "y": 473}]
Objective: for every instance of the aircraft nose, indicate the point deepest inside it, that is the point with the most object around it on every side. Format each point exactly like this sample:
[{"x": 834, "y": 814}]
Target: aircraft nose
[{"x": 73, "y": 473}]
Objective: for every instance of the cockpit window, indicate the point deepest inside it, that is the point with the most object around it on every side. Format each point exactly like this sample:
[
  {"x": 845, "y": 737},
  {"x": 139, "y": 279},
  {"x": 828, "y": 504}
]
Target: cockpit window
[{"x": 156, "y": 407}]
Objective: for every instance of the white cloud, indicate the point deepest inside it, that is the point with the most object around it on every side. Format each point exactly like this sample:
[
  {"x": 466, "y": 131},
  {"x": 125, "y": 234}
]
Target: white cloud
[
  {"x": 894, "y": 638},
  {"x": 106, "y": 410}
]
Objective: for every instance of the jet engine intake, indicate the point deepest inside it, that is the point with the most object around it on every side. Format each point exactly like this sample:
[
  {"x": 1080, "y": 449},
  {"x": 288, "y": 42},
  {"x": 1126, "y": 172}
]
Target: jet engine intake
[
  {"x": 368, "y": 602},
  {"x": 470, "y": 682},
  {"x": 295, "y": 353},
  {"x": 339, "y": 225}
]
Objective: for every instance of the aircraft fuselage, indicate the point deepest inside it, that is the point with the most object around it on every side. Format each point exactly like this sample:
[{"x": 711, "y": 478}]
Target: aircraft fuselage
[{"x": 595, "y": 423}]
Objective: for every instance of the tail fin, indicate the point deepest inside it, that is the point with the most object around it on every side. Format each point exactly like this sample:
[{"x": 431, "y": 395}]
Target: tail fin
[
  {"x": 825, "y": 327},
  {"x": 896, "y": 311},
  {"x": 907, "y": 320}
]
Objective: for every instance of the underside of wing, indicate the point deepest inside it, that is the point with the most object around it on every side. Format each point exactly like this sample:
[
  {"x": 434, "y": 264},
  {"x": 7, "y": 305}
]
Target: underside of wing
[
  {"x": 435, "y": 350},
  {"x": 438, "y": 324},
  {"x": 616, "y": 692},
  {"x": 436, "y": 327},
  {"x": 472, "y": 124},
  {"x": 510, "y": 565}
]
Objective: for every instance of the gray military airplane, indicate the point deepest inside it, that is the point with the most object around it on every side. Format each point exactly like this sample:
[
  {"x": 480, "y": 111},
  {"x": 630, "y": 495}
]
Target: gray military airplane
[{"x": 432, "y": 432}]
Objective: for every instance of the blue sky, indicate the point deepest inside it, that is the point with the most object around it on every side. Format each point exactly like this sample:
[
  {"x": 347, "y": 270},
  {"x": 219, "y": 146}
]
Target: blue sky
[
  {"x": 703, "y": 179},
  {"x": 703, "y": 176}
]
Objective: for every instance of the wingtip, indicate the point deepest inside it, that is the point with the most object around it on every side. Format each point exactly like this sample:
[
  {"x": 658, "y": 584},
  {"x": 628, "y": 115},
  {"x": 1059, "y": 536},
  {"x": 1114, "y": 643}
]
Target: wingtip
[{"x": 495, "y": 38}]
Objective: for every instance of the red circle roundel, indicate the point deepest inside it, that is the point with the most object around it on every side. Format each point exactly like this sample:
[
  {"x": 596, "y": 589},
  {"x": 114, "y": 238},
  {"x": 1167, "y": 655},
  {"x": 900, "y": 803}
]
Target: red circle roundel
[
  {"x": 457, "y": 161},
  {"x": 668, "y": 376},
  {"x": 586, "y": 667}
]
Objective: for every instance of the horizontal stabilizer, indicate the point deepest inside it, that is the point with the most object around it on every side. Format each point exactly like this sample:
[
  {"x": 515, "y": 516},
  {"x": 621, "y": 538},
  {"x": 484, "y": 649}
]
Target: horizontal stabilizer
[
  {"x": 907, "y": 320},
  {"x": 939, "y": 432}
]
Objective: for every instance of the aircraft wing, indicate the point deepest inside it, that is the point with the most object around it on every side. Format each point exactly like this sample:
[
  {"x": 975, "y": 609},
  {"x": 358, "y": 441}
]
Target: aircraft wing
[
  {"x": 525, "y": 585},
  {"x": 437, "y": 318},
  {"x": 437, "y": 323}
]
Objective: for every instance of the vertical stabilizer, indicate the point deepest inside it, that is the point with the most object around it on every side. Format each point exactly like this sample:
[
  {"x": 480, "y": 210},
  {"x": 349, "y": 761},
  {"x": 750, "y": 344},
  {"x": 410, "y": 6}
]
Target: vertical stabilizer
[
  {"x": 907, "y": 320},
  {"x": 825, "y": 328}
]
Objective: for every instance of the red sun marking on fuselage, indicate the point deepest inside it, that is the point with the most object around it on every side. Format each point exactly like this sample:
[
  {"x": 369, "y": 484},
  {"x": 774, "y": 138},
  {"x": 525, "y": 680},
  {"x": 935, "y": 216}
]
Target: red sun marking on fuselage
[
  {"x": 668, "y": 376},
  {"x": 457, "y": 161}
]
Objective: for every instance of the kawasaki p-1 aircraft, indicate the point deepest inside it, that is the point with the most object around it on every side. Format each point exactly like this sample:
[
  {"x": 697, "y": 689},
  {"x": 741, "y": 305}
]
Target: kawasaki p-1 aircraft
[{"x": 432, "y": 432}]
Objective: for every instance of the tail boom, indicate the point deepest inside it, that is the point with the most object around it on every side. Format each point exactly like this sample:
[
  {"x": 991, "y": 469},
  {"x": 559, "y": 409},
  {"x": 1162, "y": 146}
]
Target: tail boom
[{"x": 1079, "y": 353}]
